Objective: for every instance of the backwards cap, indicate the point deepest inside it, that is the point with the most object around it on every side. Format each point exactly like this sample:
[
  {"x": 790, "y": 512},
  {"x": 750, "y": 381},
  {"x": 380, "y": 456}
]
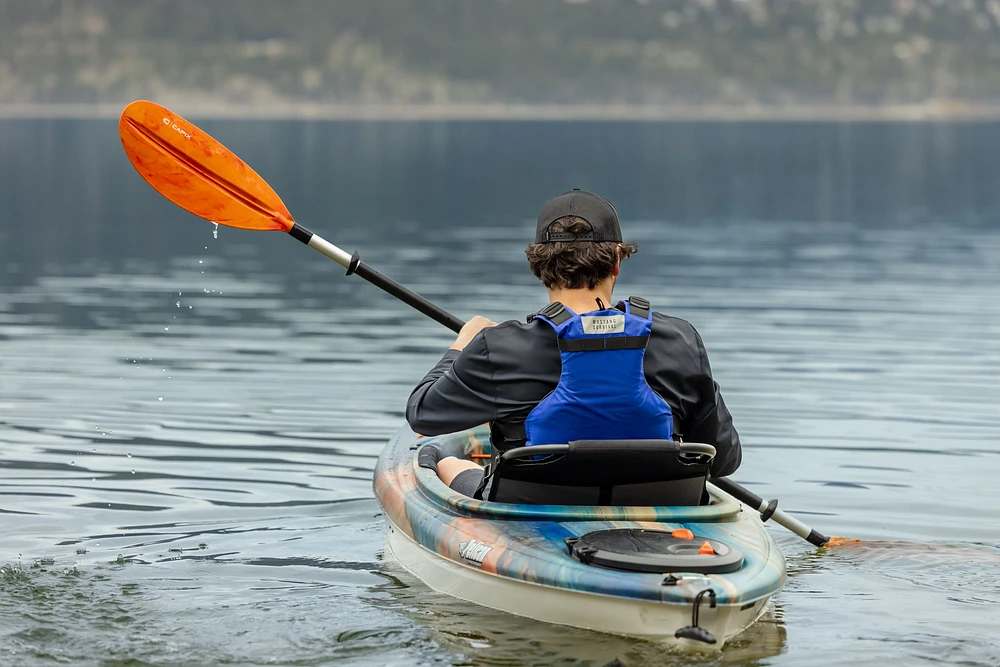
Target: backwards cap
[{"x": 595, "y": 209}]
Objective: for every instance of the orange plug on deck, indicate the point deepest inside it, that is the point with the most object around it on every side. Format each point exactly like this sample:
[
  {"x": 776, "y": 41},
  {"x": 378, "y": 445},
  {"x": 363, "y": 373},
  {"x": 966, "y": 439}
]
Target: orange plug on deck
[
  {"x": 706, "y": 549},
  {"x": 682, "y": 534}
]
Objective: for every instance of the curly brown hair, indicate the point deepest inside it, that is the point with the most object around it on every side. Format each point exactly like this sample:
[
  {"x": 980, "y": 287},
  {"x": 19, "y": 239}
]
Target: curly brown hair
[{"x": 576, "y": 264}]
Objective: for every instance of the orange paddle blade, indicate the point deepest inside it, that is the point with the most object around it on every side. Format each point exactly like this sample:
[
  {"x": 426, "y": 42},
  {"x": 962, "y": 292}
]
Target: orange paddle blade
[
  {"x": 196, "y": 172},
  {"x": 842, "y": 542}
]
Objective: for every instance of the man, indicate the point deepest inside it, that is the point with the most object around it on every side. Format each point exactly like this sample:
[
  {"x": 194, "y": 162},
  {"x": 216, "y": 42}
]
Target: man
[{"x": 526, "y": 378}]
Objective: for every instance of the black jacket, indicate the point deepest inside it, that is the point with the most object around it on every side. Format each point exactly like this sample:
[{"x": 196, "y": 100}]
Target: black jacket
[{"x": 506, "y": 370}]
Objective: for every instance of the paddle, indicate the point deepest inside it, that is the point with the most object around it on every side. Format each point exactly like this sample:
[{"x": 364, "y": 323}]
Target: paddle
[
  {"x": 769, "y": 509},
  {"x": 205, "y": 178},
  {"x": 196, "y": 172}
]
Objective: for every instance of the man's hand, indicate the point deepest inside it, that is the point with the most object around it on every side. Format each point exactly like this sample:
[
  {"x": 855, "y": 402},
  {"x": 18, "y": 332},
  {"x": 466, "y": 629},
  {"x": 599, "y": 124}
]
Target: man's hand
[{"x": 469, "y": 331}]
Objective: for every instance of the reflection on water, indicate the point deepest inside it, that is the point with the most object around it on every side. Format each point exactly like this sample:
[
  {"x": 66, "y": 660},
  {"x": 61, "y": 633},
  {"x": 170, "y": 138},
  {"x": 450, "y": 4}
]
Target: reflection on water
[
  {"x": 502, "y": 639},
  {"x": 188, "y": 424}
]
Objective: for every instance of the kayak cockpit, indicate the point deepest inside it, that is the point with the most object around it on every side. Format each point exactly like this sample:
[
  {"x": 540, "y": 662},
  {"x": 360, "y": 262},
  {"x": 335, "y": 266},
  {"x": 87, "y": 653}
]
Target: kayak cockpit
[{"x": 475, "y": 442}]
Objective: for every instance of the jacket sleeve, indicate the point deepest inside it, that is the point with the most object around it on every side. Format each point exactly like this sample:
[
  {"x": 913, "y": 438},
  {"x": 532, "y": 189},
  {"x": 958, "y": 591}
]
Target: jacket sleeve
[
  {"x": 710, "y": 421},
  {"x": 456, "y": 394}
]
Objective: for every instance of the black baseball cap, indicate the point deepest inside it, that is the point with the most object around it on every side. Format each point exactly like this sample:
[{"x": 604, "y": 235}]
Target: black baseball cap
[{"x": 595, "y": 209}]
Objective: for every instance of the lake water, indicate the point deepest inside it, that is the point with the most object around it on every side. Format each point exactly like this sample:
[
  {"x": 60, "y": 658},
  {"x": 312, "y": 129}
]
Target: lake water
[{"x": 189, "y": 423}]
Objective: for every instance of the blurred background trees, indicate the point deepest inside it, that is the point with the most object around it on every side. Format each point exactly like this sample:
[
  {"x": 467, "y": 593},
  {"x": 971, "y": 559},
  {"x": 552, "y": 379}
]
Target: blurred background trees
[{"x": 635, "y": 52}]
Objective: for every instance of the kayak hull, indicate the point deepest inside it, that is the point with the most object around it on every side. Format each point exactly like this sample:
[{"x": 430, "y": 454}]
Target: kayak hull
[
  {"x": 621, "y": 616},
  {"x": 513, "y": 557}
]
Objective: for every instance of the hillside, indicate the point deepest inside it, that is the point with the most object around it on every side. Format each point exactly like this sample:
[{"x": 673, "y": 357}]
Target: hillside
[{"x": 247, "y": 53}]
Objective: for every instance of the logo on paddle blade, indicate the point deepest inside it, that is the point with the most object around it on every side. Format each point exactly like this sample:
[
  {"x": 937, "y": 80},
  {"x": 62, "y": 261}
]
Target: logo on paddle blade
[
  {"x": 473, "y": 550},
  {"x": 176, "y": 128}
]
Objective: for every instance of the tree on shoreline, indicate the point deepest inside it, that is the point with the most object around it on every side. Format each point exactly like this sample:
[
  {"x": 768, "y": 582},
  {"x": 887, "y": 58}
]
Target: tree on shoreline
[{"x": 640, "y": 52}]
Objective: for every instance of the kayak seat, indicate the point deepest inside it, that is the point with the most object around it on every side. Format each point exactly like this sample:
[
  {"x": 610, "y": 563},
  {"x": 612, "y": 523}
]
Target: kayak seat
[{"x": 602, "y": 472}]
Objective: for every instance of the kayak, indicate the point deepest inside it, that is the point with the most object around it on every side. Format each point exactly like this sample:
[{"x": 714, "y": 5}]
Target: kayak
[{"x": 693, "y": 576}]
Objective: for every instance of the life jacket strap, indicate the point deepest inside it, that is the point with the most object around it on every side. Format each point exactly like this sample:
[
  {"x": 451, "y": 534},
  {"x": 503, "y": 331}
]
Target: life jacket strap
[
  {"x": 508, "y": 434},
  {"x": 600, "y": 344},
  {"x": 555, "y": 312},
  {"x": 639, "y": 307}
]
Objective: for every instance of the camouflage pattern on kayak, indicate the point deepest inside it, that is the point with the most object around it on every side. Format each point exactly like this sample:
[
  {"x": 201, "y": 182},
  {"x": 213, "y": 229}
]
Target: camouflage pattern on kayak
[{"x": 526, "y": 543}]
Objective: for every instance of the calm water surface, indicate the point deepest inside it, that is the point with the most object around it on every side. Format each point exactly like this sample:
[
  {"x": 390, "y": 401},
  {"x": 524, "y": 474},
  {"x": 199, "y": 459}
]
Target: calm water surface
[{"x": 189, "y": 423}]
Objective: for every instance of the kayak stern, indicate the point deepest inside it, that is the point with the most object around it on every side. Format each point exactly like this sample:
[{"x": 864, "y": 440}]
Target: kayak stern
[{"x": 515, "y": 557}]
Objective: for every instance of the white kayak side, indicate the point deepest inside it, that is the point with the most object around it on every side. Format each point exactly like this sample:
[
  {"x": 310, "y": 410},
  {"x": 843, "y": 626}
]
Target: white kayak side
[{"x": 655, "y": 621}]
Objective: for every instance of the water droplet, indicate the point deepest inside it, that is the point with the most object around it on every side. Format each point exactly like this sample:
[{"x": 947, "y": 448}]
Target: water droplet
[
  {"x": 93, "y": 479},
  {"x": 133, "y": 472},
  {"x": 94, "y": 451},
  {"x": 180, "y": 293},
  {"x": 178, "y": 304},
  {"x": 129, "y": 455},
  {"x": 201, "y": 261},
  {"x": 159, "y": 398},
  {"x": 166, "y": 328},
  {"x": 190, "y": 307},
  {"x": 72, "y": 463},
  {"x": 215, "y": 232}
]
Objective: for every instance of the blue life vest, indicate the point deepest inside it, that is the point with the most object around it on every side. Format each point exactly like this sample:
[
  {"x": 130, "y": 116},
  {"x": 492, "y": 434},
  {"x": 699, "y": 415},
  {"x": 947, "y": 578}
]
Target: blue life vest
[{"x": 602, "y": 392}]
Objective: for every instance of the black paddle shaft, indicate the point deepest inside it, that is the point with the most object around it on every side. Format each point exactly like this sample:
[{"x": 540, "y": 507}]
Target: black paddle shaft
[
  {"x": 405, "y": 295},
  {"x": 354, "y": 265},
  {"x": 769, "y": 509}
]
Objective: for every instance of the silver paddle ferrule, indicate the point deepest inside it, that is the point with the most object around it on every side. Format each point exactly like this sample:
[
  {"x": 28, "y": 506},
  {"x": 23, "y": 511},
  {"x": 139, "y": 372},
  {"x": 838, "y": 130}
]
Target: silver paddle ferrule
[{"x": 324, "y": 247}]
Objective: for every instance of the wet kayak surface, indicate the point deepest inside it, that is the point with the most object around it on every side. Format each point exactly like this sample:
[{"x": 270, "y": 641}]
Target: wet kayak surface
[{"x": 189, "y": 420}]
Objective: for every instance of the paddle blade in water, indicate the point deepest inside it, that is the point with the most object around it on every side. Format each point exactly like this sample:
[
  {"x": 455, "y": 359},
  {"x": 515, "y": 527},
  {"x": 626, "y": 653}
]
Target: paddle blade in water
[
  {"x": 196, "y": 172},
  {"x": 842, "y": 542}
]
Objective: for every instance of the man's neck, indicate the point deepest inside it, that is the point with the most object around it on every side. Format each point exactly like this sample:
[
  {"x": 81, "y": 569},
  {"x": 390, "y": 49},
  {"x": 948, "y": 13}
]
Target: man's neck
[{"x": 583, "y": 300}]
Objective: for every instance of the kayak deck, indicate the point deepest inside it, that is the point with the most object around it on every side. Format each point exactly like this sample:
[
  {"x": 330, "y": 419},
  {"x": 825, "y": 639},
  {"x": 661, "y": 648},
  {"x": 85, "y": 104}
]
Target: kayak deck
[{"x": 514, "y": 557}]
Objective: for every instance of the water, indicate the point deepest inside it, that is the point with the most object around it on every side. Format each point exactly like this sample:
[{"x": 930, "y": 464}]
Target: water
[{"x": 188, "y": 424}]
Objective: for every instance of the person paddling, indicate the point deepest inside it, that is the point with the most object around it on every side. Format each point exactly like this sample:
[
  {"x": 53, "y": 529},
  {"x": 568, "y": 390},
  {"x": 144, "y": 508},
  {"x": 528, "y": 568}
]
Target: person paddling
[{"x": 579, "y": 368}]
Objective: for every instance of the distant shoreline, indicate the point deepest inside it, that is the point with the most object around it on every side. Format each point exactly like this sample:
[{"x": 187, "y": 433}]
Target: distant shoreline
[{"x": 951, "y": 111}]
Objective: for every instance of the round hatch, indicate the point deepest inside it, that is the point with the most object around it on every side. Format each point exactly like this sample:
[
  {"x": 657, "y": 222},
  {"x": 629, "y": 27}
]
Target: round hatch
[{"x": 639, "y": 550}]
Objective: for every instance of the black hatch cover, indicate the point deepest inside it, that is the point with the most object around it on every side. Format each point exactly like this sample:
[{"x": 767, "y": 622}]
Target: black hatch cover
[{"x": 639, "y": 550}]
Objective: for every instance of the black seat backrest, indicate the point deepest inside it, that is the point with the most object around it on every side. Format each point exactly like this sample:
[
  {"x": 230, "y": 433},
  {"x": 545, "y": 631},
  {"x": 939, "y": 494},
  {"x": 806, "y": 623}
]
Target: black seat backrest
[{"x": 603, "y": 472}]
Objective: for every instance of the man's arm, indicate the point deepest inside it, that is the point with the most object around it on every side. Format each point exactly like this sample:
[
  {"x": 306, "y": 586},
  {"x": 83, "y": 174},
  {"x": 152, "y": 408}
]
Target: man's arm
[
  {"x": 711, "y": 421},
  {"x": 677, "y": 368},
  {"x": 456, "y": 394}
]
